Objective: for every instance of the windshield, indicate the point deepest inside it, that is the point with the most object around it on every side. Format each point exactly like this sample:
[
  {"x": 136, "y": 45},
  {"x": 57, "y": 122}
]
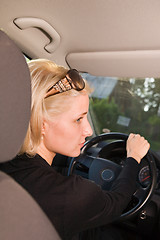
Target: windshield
[{"x": 126, "y": 105}]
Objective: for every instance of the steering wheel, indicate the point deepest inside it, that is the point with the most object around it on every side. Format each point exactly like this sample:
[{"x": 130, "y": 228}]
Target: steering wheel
[{"x": 103, "y": 163}]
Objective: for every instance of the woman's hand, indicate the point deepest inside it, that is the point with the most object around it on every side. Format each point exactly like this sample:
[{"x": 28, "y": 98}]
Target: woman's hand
[{"x": 137, "y": 147}]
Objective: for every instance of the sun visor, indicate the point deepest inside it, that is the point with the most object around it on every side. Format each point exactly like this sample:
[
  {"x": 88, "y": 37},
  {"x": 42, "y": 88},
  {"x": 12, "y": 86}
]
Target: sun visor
[{"x": 117, "y": 64}]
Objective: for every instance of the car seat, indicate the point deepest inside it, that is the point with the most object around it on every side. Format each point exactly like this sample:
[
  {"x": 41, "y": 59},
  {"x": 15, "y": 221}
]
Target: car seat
[{"x": 21, "y": 218}]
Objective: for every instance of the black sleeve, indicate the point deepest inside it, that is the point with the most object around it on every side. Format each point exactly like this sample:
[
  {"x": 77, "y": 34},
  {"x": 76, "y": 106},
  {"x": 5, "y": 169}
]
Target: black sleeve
[{"x": 92, "y": 207}]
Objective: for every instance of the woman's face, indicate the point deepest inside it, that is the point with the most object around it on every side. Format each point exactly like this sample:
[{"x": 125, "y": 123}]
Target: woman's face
[{"x": 67, "y": 132}]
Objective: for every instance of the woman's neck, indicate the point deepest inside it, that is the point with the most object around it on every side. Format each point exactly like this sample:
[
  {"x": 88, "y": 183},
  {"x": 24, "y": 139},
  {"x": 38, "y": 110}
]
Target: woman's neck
[{"x": 45, "y": 154}]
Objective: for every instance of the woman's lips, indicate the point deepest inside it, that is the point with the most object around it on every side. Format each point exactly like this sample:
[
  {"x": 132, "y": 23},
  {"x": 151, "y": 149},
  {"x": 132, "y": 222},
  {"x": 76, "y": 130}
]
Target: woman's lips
[{"x": 81, "y": 144}]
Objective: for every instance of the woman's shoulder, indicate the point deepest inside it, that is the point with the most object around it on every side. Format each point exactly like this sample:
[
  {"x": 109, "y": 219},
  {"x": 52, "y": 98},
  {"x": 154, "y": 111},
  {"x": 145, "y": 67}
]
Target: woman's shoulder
[
  {"x": 31, "y": 160},
  {"x": 24, "y": 164}
]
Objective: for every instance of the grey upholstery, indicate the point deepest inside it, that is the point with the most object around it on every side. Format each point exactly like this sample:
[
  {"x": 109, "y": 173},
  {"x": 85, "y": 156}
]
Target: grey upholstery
[{"x": 21, "y": 218}]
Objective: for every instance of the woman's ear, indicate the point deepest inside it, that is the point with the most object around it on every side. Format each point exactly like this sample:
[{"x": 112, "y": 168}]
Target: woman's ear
[{"x": 43, "y": 127}]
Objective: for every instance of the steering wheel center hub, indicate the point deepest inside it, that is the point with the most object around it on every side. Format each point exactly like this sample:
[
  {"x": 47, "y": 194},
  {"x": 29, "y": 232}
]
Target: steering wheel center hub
[{"x": 107, "y": 175}]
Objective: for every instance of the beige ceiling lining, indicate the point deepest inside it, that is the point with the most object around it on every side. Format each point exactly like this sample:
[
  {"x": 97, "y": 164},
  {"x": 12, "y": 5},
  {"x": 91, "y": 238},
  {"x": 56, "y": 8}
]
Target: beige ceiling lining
[{"x": 114, "y": 27}]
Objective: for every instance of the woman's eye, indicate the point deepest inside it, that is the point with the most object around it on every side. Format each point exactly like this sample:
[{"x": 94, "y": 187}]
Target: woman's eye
[{"x": 79, "y": 119}]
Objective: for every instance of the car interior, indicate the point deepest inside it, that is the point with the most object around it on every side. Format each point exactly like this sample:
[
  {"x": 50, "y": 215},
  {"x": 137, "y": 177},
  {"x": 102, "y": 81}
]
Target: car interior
[{"x": 115, "y": 45}]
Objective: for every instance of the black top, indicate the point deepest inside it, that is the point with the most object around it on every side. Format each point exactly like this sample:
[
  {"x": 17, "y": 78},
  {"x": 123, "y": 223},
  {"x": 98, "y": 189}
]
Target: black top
[{"x": 72, "y": 203}]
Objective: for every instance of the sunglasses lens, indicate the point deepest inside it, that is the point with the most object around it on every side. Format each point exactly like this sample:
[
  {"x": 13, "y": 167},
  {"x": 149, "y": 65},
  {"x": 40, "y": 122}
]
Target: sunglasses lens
[{"x": 76, "y": 79}]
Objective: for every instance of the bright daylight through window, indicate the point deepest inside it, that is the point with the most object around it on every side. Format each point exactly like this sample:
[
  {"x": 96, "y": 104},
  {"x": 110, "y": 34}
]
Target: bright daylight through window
[{"x": 126, "y": 105}]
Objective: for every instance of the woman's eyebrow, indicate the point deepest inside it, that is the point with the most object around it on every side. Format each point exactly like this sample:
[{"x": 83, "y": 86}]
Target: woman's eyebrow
[{"x": 83, "y": 113}]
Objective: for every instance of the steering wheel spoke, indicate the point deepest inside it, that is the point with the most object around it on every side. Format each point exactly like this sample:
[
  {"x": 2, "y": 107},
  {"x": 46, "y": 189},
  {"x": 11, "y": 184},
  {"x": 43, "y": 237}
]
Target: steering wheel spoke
[{"x": 140, "y": 193}]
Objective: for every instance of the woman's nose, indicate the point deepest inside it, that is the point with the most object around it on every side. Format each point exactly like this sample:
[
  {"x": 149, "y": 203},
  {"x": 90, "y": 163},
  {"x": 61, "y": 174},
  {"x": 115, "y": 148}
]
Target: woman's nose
[{"x": 88, "y": 130}]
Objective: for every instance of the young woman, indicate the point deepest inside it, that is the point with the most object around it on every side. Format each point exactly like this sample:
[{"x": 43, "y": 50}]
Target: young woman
[{"x": 59, "y": 124}]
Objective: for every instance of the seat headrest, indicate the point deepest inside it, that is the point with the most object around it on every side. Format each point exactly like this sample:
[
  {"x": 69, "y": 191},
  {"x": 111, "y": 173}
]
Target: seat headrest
[{"x": 15, "y": 98}]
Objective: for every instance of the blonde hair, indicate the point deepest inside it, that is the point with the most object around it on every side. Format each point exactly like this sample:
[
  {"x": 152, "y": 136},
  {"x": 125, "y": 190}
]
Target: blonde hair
[{"x": 44, "y": 73}]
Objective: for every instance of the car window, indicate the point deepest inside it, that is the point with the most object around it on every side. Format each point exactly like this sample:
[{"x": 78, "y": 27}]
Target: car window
[
  {"x": 27, "y": 59},
  {"x": 126, "y": 105}
]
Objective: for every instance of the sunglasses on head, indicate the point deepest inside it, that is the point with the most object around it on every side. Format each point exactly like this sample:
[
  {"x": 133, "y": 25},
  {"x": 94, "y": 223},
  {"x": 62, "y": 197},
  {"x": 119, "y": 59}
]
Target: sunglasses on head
[{"x": 72, "y": 80}]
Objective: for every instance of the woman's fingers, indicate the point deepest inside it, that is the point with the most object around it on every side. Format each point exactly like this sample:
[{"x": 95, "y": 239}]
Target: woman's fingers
[{"x": 137, "y": 146}]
